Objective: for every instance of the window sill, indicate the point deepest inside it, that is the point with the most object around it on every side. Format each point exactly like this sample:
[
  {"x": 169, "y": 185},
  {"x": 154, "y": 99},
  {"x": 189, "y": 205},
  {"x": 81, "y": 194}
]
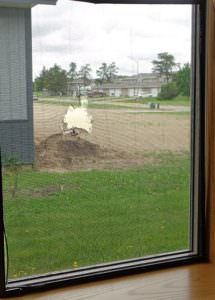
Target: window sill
[{"x": 194, "y": 282}]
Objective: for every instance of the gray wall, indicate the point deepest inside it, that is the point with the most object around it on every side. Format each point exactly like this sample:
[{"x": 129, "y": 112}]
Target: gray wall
[
  {"x": 16, "y": 111},
  {"x": 13, "y": 98}
]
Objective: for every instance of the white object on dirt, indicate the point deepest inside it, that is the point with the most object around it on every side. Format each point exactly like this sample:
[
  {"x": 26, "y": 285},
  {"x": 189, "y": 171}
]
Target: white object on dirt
[{"x": 77, "y": 120}]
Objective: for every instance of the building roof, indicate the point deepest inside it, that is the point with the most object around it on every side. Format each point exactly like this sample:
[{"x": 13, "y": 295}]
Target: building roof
[
  {"x": 148, "y": 80},
  {"x": 25, "y": 3},
  {"x": 140, "y": 81},
  {"x": 130, "y": 85}
]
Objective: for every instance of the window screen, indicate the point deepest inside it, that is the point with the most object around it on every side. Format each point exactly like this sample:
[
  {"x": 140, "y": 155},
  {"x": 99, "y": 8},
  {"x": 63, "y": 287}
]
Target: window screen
[{"x": 110, "y": 180}]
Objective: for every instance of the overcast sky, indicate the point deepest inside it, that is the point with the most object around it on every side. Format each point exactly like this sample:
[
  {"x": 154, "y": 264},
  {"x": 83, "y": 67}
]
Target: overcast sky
[{"x": 124, "y": 34}]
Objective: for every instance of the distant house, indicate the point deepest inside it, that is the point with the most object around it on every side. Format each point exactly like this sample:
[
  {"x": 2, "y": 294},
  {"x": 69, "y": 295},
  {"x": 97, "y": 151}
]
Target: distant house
[
  {"x": 74, "y": 87},
  {"x": 16, "y": 99},
  {"x": 77, "y": 86},
  {"x": 142, "y": 85}
]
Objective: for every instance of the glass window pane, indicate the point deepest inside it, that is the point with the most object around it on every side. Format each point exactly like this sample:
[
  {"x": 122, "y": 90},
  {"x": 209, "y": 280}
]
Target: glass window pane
[{"x": 110, "y": 179}]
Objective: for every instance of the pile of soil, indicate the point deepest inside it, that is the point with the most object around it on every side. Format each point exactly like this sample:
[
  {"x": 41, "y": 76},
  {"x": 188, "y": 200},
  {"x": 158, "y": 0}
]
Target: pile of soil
[{"x": 70, "y": 153}]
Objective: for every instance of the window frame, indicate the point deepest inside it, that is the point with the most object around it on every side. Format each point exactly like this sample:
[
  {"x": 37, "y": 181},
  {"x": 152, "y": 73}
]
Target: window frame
[{"x": 198, "y": 251}]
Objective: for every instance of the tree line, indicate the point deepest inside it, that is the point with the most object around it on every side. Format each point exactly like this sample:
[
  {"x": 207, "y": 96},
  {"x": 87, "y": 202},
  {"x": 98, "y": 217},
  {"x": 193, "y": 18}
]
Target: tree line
[
  {"x": 176, "y": 76},
  {"x": 55, "y": 79}
]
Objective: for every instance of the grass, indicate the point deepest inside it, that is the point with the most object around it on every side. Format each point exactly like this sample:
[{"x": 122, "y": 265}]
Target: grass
[
  {"x": 178, "y": 101},
  {"x": 96, "y": 216},
  {"x": 91, "y": 99},
  {"x": 97, "y": 105},
  {"x": 57, "y": 101},
  {"x": 65, "y": 100},
  {"x": 75, "y": 103},
  {"x": 181, "y": 114},
  {"x": 114, "y": 103},
  {"x": 106, "y": 106}
]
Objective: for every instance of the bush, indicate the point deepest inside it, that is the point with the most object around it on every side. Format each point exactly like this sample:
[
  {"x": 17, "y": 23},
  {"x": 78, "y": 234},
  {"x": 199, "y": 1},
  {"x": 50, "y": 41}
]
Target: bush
[
  {"x": 13, "y": 168},
  {"x": 168, "y": 91},
  {"x": 182, "y": 80}
]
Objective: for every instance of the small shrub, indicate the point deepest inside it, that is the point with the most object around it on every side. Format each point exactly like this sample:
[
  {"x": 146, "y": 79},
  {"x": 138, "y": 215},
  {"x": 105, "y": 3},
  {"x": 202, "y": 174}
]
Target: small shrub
[
  {"x": 13, "y": 168},
  {"x": 168, "y": 91}
]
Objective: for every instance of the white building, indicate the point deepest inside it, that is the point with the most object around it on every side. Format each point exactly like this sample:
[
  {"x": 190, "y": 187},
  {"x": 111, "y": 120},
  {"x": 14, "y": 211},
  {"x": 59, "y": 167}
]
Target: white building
[{"x": 142, "y": 85}]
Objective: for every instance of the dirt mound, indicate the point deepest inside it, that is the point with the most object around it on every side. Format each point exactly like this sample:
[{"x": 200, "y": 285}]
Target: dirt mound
[
  {"x": 72, "y": 153},
  {"x": 59, "y": 151},
  {"x": 69, "y": 146}
]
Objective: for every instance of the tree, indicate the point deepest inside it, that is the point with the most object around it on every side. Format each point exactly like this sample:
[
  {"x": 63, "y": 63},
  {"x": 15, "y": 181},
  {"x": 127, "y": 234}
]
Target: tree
[
  {"x": 112, "y": 71},
  {"x": 182, "y": 80},
  {"x": 56, "y": 80},
  {"x": 168, "y": 91},
  {"x": 107, "y": 72},
  {"x": 102, "y": 73},
  {"x": 164, "y": 65},
  {"x": 72, "y": 74},
  {"x": 39, "y": 82},
  {"x": 85, "y": 74}
]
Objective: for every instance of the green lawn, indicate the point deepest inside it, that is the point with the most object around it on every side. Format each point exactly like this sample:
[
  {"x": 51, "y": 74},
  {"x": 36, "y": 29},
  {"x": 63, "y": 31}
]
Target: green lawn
[
  {"x": 177, "y": 114},
  {"x": 69, "y": 220},
  {"x": 91, "y": 104},
  {"x": 94, "y": 103},
  {"x": 178, "y": 101},
  {"x": 57, "y": 101}
]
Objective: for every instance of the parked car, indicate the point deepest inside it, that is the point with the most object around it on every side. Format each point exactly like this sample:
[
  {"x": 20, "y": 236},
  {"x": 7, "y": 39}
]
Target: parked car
[{"x": 92, "y": 94}]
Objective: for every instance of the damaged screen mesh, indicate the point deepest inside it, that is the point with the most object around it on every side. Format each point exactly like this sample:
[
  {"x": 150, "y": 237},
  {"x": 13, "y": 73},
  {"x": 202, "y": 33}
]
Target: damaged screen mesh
[{"x": 107, "y": 176}]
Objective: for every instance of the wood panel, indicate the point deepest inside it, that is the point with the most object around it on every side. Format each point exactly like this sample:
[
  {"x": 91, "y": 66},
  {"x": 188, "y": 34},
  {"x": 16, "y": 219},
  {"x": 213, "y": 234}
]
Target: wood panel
[{"x": 210, "y": 132}]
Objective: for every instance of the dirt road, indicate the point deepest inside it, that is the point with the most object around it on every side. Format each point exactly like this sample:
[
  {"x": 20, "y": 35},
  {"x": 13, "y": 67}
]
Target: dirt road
[
  {"x": 125, "y": 135},
  {"x": 121, "y": 130}
]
